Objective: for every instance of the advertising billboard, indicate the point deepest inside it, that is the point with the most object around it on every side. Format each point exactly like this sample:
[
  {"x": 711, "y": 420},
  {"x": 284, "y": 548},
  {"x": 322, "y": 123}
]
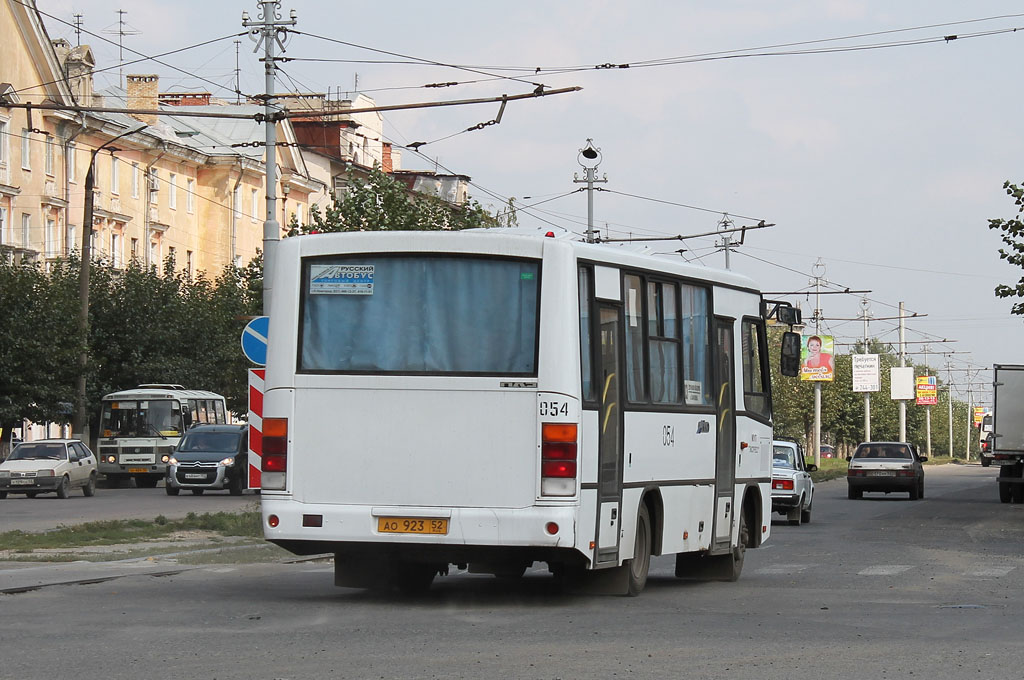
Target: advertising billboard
[
  {"x": 866, "y": 377},
  {"x": 816, "y": 362},
  {"x": 927, "y": 390}
]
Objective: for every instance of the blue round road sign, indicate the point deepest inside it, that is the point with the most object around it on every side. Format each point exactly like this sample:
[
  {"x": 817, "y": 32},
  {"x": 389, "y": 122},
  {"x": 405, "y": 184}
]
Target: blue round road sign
[{"x": 254, "y": 340}]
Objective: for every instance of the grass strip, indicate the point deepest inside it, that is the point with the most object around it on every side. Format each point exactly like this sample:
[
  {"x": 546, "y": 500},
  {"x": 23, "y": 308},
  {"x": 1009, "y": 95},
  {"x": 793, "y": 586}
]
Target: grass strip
[{"x": 112, "y": 532}]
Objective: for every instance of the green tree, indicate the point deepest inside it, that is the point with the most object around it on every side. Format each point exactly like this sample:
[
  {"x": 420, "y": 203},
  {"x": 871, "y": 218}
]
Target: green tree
[
  {"x": 1013, "y": 238},
  {"x": 40, "y": 343},
  {"x": 382, "y": 203}
]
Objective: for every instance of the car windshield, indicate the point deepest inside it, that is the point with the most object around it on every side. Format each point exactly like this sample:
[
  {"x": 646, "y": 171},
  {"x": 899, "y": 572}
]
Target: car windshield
[
  {"x": 884, "y": 451},
  {"x": 784, "y": 457},
  {"x": 39, "y": 452},
  {"x": 214, "y": 442}
]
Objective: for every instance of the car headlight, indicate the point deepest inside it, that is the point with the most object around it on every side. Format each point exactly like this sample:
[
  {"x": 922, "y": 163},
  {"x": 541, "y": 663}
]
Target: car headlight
[
  {"x": 5, "y": 473},
  {"x": 44, "y": 473},
  {"x": 173, "y": 461},
  {"x": 228, "y": 462}
]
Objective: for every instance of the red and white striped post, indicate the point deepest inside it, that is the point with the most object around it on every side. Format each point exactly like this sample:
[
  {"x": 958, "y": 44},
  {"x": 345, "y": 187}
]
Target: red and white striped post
[{"x": 256, "y": 383}]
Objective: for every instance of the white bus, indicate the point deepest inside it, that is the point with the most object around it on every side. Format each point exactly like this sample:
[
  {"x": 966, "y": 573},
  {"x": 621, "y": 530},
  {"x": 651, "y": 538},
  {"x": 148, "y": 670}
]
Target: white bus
[
  {"x": 490, "y": 399},
  {"x": 139, "y": 428}
]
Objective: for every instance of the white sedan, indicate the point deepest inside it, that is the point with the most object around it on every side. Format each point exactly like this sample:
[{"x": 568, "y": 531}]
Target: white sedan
[
  {"x": 48, "y": 465},
  {"x": 792, "y": 487}
]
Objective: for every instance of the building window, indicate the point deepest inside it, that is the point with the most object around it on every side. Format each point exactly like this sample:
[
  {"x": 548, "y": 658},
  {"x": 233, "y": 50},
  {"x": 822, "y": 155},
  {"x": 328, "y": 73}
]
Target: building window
[
  {"x": 135, "y": 249},
  {"x": 48, "y": 155},
  {"x": 154, "y": 254},
  {"x": 172, "y": 255},
  {"x": 135, "y": 180},
  {"x": 3, "y": 225},
  {"x": 72, "y": 177},
  {"x": 115, "y": 250},
  {"x": 190, "y": 195},
  {"x": 172, "y": 191},
  {"x": 5, "y": 143},
  {"x": 188, "y": 263},
  {"x": 26, "y": 229},
  {"x": 50, "y": 239},
  {"x": 255, "y": 210},
  {"x": 115, "y": 175},
  {"x": 26, "y": 150},
  {"x": 70, "y": 237}
]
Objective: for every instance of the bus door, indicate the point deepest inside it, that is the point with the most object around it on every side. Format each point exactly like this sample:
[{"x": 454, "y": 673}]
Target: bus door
[
  {"x": 609, "y": 423},
  {"x": 725, "y": 441}
]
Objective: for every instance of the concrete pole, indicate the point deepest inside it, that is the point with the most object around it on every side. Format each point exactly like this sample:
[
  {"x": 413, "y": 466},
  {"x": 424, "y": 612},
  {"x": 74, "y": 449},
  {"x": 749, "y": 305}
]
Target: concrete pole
[
  {"x": 272, "y": 31},
  {"x": 902, "y": 364},
  {"x": 867, "y": 395},
  {"x": 949, "y": 404},
  {"x": 589, "y": 159}
]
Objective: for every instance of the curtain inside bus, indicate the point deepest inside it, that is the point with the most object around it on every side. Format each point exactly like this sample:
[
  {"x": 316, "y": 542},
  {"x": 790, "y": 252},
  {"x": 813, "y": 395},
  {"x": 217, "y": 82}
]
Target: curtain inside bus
[{"x": 419, "y": 314}]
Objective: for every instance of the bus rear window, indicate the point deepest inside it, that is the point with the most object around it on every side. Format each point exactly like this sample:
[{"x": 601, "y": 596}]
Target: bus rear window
[{"x": 419, "y": 315}]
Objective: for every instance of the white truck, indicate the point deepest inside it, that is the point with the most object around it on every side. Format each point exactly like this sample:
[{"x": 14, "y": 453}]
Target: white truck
[{"x": 1007, "y": 448}]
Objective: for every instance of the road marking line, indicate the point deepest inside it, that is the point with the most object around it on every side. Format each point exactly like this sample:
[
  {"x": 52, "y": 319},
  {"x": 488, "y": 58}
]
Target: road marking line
[
  {"x": 784, "y": 569},
  {"x": 990, "y": 571},
  {"x": 885, "y": 570}
]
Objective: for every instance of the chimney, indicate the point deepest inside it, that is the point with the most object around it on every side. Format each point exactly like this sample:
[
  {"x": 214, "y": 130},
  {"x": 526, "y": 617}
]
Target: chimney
[
  {"x": 386, "y": 166},
  {"x": 143, "y": 91}
]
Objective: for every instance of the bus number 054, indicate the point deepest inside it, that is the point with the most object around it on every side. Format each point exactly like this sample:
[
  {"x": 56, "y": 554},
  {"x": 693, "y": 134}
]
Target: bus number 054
[{"x": 554, "y": 408}]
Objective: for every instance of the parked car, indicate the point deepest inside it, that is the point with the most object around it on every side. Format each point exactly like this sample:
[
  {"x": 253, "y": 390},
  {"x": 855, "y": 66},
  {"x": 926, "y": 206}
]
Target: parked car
[
  {"x": 209, "y": 457},
  {"x": 886, "y": 467},
  {"x": 792, "y": 487},
  {"x": 827, "y": 451},
  {"x": 48, "y": 465}
]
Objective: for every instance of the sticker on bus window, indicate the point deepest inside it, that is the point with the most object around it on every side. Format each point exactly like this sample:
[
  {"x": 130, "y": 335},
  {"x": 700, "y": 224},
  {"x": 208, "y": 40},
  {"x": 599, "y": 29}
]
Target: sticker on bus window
[
  {"x": 694, "y": 391},
  {"x": 341, "y": 279}
]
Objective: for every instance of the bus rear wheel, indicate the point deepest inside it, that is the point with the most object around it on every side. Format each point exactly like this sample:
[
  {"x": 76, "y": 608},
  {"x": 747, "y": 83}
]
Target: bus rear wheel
[
  {"x": 414, "y": 579},
  {"x": 640, "y": 565}
]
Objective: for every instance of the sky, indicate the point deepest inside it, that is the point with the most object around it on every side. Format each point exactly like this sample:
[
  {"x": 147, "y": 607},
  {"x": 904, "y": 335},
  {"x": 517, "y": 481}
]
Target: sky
[{"x": 879, "y": 162}]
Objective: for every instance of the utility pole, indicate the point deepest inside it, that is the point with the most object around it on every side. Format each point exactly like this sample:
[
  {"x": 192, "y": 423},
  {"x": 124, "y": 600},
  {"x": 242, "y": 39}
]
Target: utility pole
[
  {"x": 903, "y": 363},
  {"x": 80, "y": 420},
  {"x": 269, "y": 30},
  {"x": 819, "y": 278},
  {"x": 725, "y": 224},
  {"x": 949, "y": 405},
  {"x": 865, "y": 308},
  {"x": 238, "y": 74},
  {"x": 591, "y": 154}
]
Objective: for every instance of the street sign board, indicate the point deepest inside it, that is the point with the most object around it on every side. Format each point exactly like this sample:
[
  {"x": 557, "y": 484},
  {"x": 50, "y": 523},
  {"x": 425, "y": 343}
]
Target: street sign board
[
  {"x": 927, "y": 390},
  {"x": 254, "y": 340},
  {"x": 901, "y": 382},
  {"x": 866, "y": 377}
]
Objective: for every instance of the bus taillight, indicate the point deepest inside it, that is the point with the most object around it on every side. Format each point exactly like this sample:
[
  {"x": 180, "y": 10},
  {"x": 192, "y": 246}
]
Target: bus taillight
[
  {"x": 274, "y": 461},
  {"x": 558, "y": 459}
]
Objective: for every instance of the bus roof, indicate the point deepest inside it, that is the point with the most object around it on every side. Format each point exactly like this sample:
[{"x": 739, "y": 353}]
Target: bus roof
[
  {"x": 514, "y": 242},
  {"x": 161, "y": 392}
]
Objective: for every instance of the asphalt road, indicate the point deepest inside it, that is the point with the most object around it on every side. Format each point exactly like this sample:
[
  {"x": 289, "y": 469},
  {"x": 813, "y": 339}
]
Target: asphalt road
[{"x": 877, "y": 588}]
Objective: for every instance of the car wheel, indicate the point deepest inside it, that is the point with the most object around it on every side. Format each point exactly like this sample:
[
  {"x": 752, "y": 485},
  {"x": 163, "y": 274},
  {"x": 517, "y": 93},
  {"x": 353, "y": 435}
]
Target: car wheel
[
  {"x": 90, "y": 487},
  {"x": 640, "y": 565},
  {"x": 914, "y": 493},
  {"x": 805, "y": 515},
  {"x": 198, "y": 492},
  {"x": 1017, "y": 493},
  {"x": 854, "y": 494},
  {"x": 920, "y": 489},
  {"x": 1005, "y": 492},
  {"x": 985, "y": 462},
  {"x": 3, "y": 495},
  {"x": 236, "y": 486},
  {"x": 64, "y": 488},
  {"x": 794, "y": 515},
  {"x": 172, "y": 490}
]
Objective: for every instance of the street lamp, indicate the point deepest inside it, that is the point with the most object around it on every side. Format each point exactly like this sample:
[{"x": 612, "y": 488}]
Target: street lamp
[
  {"x": 79, "y": 424},
  {"x": 589, "y": 158}
]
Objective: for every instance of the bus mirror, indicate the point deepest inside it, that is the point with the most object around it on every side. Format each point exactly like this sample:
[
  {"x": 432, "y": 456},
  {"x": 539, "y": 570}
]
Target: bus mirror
[
  {"x": 788, "y": 315},
  {"x": 789, "y": 362}
]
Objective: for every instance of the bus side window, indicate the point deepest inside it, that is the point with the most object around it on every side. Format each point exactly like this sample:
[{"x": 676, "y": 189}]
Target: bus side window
[
  {"x": 221, "y": 416},
  {"x": 586, "y": 346},
  {"x": 663, "y": 340},
  {"x": 755, "y": 380},
  {"x": 635, "y": 390},
  {"x": 696, "y": 343},
  {"x": 203, "y": 412}
]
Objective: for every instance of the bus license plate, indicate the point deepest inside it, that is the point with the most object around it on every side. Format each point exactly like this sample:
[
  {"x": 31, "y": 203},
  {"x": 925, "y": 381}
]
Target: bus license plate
[
  {"x": 412, "y": 525},
  {"x": 138, "y": 469}
]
